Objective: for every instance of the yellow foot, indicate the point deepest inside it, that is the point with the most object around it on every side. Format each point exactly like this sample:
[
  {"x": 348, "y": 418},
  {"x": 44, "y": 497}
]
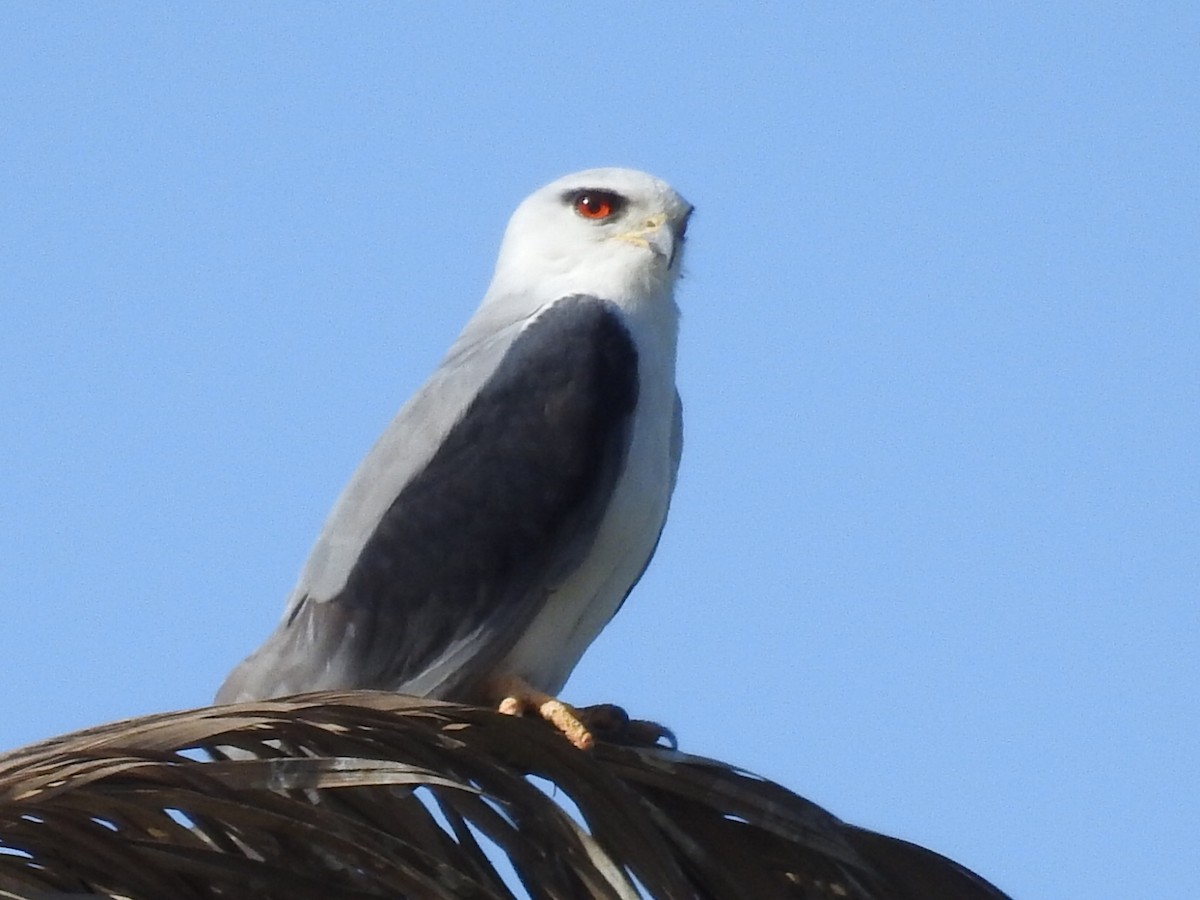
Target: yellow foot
[{"x": 518, "y": 697}]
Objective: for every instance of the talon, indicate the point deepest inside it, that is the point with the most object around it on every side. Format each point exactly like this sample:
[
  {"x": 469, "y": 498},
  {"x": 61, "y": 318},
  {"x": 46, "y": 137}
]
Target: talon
[
  {"x": 641, "y": 731},
  {"x": 611, "y": 723},
  {"x": 518, "y": 697},
  {"x": 605, "y": 718}
]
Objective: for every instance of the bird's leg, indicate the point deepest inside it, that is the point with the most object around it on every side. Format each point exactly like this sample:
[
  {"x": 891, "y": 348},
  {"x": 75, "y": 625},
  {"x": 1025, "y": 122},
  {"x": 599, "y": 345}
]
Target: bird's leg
[{"x": 517, "y": 697}]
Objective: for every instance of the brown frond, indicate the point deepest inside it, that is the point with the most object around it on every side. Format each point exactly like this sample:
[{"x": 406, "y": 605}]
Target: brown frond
[{"x": 357, "y": 795}]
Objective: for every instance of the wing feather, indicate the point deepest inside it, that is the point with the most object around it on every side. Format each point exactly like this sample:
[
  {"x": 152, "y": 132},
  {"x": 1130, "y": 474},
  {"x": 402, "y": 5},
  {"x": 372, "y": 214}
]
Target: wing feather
[{"x": 502, "y": 509}]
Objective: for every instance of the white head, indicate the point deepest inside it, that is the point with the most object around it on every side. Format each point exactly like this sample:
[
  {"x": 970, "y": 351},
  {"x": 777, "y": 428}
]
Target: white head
[{"x": 613, "y": 233}]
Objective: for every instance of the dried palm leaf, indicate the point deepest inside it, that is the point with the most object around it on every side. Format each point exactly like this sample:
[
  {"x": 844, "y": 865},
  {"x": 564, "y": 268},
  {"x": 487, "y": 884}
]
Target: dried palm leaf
[{"x": 361, "y": 794}]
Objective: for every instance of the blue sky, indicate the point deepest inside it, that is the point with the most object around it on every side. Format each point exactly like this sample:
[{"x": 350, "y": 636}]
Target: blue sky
[{"x": 932, "y": 560}]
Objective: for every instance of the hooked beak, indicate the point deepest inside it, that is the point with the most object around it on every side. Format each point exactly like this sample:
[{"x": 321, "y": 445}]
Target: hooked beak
[
  {"x": 678, "y": 231},
  {"x": 661, "y": 235}
]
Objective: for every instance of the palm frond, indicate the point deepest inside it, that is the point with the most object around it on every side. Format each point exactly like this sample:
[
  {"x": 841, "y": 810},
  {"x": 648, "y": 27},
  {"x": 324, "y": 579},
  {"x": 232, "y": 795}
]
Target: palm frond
[{"x": 361, "y": 794}]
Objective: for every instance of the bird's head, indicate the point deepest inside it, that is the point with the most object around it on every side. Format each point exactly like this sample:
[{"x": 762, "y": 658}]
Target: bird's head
[{"x": 612, "y": 233}]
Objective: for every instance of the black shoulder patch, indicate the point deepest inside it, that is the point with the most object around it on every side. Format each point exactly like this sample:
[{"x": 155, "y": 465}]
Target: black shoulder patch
[{"x": 509, "y": 503}]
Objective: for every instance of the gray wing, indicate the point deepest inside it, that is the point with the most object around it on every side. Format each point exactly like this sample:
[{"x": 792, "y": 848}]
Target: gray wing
[{"x": 464, "y": 555}]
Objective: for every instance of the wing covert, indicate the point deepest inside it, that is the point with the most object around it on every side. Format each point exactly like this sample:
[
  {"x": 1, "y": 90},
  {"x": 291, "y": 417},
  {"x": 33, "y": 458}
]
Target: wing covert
[{"x": 465, "y": 555}]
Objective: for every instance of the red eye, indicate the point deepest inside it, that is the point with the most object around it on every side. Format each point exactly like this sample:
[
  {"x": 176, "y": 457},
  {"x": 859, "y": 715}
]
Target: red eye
[{"x": 597, "y": 204}]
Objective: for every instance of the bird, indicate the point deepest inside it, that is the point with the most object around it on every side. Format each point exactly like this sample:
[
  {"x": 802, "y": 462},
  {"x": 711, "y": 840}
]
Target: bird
[{"x": 506, "y": 512}]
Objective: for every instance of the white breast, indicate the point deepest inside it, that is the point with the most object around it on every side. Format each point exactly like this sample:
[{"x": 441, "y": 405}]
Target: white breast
[{"x": 578, "y": 609}]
